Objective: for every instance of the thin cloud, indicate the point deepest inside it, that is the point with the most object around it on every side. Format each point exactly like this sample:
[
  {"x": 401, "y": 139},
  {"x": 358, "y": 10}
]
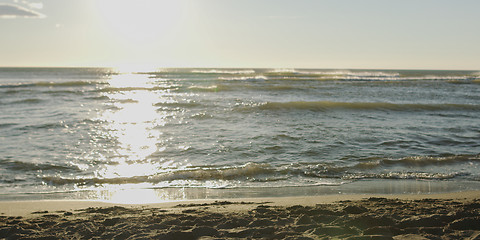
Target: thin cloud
[{"x": 15, "y": 11}]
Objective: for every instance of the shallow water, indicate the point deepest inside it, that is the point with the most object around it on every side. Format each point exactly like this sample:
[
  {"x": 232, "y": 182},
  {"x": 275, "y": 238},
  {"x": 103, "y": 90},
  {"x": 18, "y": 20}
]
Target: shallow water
[{"x": 71, "y": 130}]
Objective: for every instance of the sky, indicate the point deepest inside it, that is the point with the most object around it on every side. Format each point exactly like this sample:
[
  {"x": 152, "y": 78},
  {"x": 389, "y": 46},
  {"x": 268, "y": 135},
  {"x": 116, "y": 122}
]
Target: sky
[{"x": 366, "y": 34}]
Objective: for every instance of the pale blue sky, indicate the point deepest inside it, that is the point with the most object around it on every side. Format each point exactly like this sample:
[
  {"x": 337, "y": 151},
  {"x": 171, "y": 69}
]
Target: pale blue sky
[{"x": 407, "y": 34}]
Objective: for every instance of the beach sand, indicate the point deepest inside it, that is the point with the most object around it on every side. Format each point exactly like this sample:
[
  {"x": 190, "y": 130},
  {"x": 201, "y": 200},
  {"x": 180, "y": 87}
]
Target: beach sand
[{"x": 439, "y": 216}]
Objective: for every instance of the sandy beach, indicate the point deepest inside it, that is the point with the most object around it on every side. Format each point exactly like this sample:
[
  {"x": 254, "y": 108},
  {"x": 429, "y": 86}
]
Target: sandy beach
[
  {"x": 239, "y": 119},
  {"x": 439, "y": 216}
]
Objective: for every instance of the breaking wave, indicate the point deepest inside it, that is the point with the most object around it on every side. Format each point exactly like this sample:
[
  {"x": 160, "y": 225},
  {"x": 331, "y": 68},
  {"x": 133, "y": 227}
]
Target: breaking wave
[
  {"x": 244, "y": 78},
  {"x": 127, "y": 89},
  {"x": 200, "y": 174},
  {"x": 318, "y": 74},
  {"x": 54, "y": 84},
  {"x": 224, "y": 71},
  {"x": 200, "y": 127},
  {"x": 359, "y": 75},
  {"x": 419, "y": 161},
  {"x": 328, "y": 105},
  {"x": 262, "y": 173}
]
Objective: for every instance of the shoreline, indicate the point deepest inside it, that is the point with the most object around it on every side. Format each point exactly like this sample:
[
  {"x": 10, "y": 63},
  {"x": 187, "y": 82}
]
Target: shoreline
[
  {"x": 358, "y": 216},
  {"x": 26, "y": 207},
  {"x": 117, "y": 194}
]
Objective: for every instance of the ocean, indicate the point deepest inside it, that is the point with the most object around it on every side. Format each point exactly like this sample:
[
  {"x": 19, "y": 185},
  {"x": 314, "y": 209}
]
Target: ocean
[{"x": 172, "y": 134}]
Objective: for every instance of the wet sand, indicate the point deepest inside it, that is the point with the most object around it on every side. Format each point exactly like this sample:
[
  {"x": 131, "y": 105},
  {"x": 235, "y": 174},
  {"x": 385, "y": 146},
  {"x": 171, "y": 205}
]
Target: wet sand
[{"x": 440, "y": 216}]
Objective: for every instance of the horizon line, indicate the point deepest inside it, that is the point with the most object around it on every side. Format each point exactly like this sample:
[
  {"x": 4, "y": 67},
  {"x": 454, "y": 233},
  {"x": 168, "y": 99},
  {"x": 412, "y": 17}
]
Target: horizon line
[{"x": 211, "y": 67}]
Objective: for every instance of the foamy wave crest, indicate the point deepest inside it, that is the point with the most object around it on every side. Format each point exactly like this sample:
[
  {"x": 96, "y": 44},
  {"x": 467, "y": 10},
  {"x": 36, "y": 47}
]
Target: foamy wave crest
[
  {"x": 245, "y": 172},
  {"x": 202, "y": 115},
  {"x": 372, "y": 75},
  {"x": 325, "y": 73},
  {"x": 383, "y": 169},
  {"x": 401, "y": 175},
  {"x": 224, "y": 71},
  {"x": 350, "y": 75},
  {"x": 127, "y": 89},
  {"x": 419, "y": 161},
  {"x": 211, "y": 88},
  {"x": 244, "y": 78},
  {"x": 283, "y": 70},
  {"x": 355, "y": 77},
  {"x": 16, "y": 85},
  {"x": 252, "y": 173},
  {"x": 331, "y": 74},
  {"x": 328, "y": 105}
]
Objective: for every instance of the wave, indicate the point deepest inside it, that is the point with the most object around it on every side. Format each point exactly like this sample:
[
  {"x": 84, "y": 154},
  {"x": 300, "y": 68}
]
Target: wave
[
  {"x": 401, "y": 175},
  {"x": 60, "y": 124},
  {"x": 128, "y": 100},
  {"x": 21, "y": 166},
  {"x": 224, "y": 71},
  {"x": 261, "y": 173},
  {"x": 262, "y": 74},
  {"x": 186, "y": 178},
  {"x": 337, "y": 76},
  {"x": 211, "y": 88},
  {"x": 54, "y": 84},
  {"x": 394, "y": 76},
  {"x": 283, "y": 70},
  {"x": 240, "y": 87},
  {"x": 370, "y": 75},
  {"x": 328, "y": 105},
  {"x": 42, "y": 126},
  {"x": 379, "y": 168},
  {"x": 200, "y": 174},
  {"x": 16, "y": 85},
  {"x": 6, "y": 125},
  {"x": 202, "y": 115},
  {"x": 63, "y": 92},
  {"x": 306, "y": 74},
  {"x": 419, "y": 161},
  {"x": 332, "y": 72},
  {"x": 26, "y": 101},
  {"x": 127, "y": 89},
  {"x": 13, "y": 91},
  {"x": 103, "y": 98},
  {"x": 244, "y": 78},
  {"x": 177, "y": 104},
  {"x": 69, "y": 84}
]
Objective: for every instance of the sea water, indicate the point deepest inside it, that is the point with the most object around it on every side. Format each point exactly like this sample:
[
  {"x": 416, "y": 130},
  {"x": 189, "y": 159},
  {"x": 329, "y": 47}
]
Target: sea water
[{"x": 196, "y": 133}]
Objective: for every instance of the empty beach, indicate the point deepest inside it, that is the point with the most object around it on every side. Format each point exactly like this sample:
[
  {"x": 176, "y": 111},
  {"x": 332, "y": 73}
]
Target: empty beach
[{"x": 436, "y": 216}]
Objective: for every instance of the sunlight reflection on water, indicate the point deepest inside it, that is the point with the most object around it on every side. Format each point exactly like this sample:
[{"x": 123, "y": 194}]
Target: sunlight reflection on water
[{"x": 133, "y": 124}]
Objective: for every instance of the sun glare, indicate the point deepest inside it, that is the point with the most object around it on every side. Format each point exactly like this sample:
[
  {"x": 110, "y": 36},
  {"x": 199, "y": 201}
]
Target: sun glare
[
  {"x": 129, "y": 68},
  {"x": 139, "y": 22},
  {"x": 132, "y": 120}
]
